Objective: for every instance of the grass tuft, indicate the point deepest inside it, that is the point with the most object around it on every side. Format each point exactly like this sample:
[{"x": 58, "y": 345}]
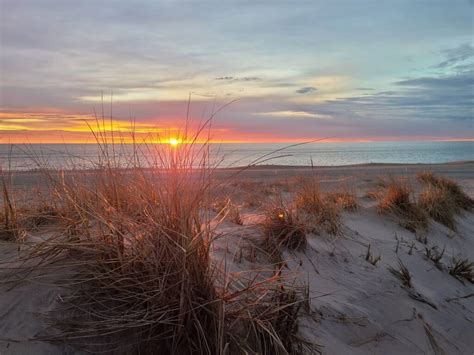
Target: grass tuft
[
  {"x": 398, "y": 200},
  {"x": 462, "y": 269},
  {"x": 374, "y": 194},
  {"x": 271, "y": 326},
  {"x": 434, "y": 255},
  {"x": 459, "y": 197},
  {"x": 138, "y": 237},
  {"x": 228, "y": 210},
  {"x": 371, "y": 258},
  {"x": 437, "y": 202},
  {"x": 443, "y": 199},
  {"x": 344, "y": 199},
  {"x": 321, "y": 211},
  {"x": 10, "y": 229},
  {"x": 283, "y": 227},
  {"x": 402, "y": 273}
]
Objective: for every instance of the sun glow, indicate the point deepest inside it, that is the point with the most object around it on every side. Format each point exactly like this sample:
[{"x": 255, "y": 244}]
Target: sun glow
[{"x": 174, "y": 142}]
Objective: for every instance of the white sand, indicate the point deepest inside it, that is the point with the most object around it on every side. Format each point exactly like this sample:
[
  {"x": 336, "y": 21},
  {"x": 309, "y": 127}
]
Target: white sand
[
  {"x": 356, "y": 308},
  {"x": 24, "y": 308}
]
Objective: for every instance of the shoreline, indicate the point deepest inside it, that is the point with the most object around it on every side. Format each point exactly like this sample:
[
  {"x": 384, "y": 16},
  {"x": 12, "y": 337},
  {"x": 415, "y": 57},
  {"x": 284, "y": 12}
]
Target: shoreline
[
  {"x": 329, "y": 176},
  {"x": 270, "y": 167},
  {"x": 361, "y": 165}
]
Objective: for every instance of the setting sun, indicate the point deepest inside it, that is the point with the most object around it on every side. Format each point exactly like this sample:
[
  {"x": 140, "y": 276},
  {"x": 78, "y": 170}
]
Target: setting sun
[{"x": 174, "y": 142}]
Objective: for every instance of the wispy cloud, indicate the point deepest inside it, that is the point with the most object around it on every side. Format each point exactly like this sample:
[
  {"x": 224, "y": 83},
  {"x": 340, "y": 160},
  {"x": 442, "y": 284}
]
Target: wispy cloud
[
  {"x": 233, "y": 78},
  {"x": 296, "y": 114},
  {"x": 306, "y": 90},
  {"x": 455, "y": 56}
]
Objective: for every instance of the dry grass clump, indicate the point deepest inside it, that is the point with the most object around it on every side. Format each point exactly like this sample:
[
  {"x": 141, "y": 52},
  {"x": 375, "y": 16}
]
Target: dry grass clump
[
  {"x": 398, "y": 200},
  {"x": 138, "y": 241},
  {"x": 321, "y": 210},
  {"x": 271, "y": 325},
  {"x": 43, "y": 209},
  {"x": 283, "y": 227},
  {"x": 438, "y": 204},
  {"x": 234, "y": 214},
  {"x": 459, "y": 197},
  {"x": 375, "y": 194},
  {"x": 402, "y": 273},
  {"x": 41, "y": 215},
  {"x": 383, "y": 181},
  {"x": 21, "y": 214},
  {"x": 434, "y": 255},
  {"x": 145, "y": 281},
  {"x": 228, "y": 210},
  {"x": 369, "y": 257},
  {"x": 253, "y": 200},
  {"x": 462, "y": 269},
  {"x": 344, "y": 199},
  {"x": 443, "y": 199},
  {"x": 397, "y": 197},
  {"x": 9, "y": 227}
]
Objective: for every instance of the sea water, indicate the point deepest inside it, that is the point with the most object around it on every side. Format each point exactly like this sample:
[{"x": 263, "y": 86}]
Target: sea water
[{"x": 83, "y": 156}]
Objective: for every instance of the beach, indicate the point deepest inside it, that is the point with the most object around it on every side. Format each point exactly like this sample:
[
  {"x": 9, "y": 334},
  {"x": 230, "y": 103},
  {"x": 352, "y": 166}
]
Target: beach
[
  {"x": 236, "y": 177},
  {"x": 355, "y": 303}
]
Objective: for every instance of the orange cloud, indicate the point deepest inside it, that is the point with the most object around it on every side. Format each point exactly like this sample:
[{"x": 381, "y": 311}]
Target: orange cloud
[{"x": 55, "y": 126}]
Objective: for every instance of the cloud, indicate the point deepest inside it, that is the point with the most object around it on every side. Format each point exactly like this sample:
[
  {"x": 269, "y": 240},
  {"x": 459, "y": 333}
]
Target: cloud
[
  {"x": 453, "y": 82},
  {"x": 446, "y": 97},
  {"x": 64, "y": 55},
  {"x": 250, "y": 78},
  {"x": 455, "y": 56},
  {"x": 296, "y": 114},
  {"x": 233, "y": 78},
  {"x": 306, "y": 90},
  {"x": 31, "y": 121},
  {"x": 429, "y": 99}
]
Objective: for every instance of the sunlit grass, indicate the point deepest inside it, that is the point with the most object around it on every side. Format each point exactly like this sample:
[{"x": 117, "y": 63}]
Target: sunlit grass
[{"x": 138, "y": 231}]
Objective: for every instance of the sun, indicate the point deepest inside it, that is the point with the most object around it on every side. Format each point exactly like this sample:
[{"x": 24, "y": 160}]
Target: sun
[{"x": 173, "y": 142}]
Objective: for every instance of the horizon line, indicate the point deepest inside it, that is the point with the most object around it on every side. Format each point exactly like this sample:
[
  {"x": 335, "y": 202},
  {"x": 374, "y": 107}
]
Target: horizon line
[{"x": 298, "y": 141}]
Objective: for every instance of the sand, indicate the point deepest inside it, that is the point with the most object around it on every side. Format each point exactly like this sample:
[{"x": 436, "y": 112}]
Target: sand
[{"x": 356, "y": 307}]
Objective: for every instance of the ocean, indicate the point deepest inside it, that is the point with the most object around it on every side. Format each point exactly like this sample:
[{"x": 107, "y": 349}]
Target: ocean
[{"x": 83, "y": 156}]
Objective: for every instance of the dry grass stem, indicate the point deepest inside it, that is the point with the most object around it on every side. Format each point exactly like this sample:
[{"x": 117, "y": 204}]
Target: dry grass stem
[
  {"x": 398, "y": 200},
  {"x": 322, "y": 211},
  {"x": 443, "y": 199},
  {"x": 402, "y": 274},
  {"x": 371, "y": 258},
  {"x": 435, "y": 255},
  {"x": 137, "y": 233},
  {"x": 462, "y": 269},
  {"x": 283, "y": 228}
]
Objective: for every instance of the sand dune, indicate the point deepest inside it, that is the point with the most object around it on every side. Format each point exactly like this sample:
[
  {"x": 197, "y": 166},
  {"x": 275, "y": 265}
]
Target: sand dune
[{"x": 355, "y": 307}]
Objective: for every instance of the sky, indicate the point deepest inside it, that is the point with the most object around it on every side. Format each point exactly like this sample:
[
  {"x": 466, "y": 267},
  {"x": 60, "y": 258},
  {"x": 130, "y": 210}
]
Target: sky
[{"x": 289, "y": 71}]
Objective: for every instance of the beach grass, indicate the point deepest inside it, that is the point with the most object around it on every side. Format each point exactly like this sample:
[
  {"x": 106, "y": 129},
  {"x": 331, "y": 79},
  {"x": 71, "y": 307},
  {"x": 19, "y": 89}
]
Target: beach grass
[
  {"x": 443, "y": 199},
  {"x": 398, "y": 199},
  {"x": 323, "y": 211},
  {"x": 283, "y": 227},
  {"x": 462, "y": 269},
  {"x": 138, "y": 237}
]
